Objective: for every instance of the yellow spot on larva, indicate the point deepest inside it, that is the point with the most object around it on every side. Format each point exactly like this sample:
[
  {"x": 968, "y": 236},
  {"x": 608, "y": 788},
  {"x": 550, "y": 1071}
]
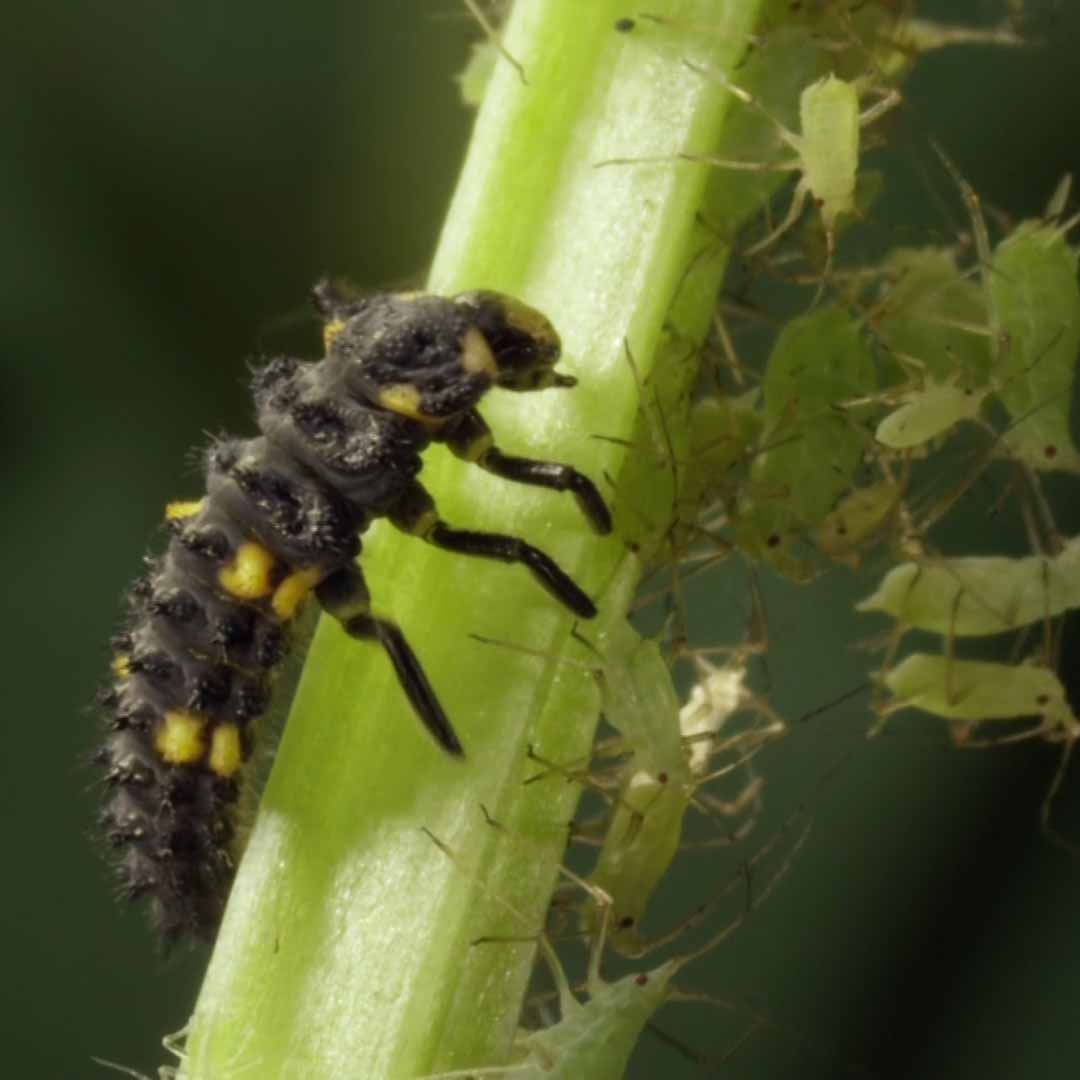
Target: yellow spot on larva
[
  {"x": 530, "y": 322},
  {"x": 177, "y": 511},
  {"x": 402, "y": 398},
  {"x": 180, "y": 739},
  {"x": 330, "y": 332},
  {"x": 476, "y": 355},
  {"x": 247, "y": 577},
  {"x": 121, "y": 666},
  {"x": 290, "y": 594},
  {"x": 226, "y": 756}
]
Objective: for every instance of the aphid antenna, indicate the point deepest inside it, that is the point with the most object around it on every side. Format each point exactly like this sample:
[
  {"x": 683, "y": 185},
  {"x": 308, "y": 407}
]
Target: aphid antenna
[
  {"x": 979, "y": 231},
  {"x": 828, "y": 706},
  {"x": 165, "y": 1072}
]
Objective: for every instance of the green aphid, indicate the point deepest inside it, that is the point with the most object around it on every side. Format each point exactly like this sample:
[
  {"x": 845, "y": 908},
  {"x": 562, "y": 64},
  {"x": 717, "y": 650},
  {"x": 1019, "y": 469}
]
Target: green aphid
[
  {"x": 645, "y": 828},
  {"x": 673, "y": 749},
  {"x": 858, "y": 521},
  {"x": 829, "y": 147},
  {"x": 1036, "y": 299},
  {"x": 978, "y": 595},
  {"x": 826, "y": 150},
  {"x": 809, "y": 448},
  {"x": 636, "y": 692},
  {"x": 641, "y": 841},
  {"x": 969, "y": 692},
  {"x": 929, "y": 412},
  {"x": 724, "y": 431},
  {"x": 595, "y": 1039}
]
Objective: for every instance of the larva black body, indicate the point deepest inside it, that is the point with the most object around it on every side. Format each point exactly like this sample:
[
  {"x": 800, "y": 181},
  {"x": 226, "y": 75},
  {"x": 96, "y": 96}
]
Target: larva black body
[{"x": 339, "y": 444}]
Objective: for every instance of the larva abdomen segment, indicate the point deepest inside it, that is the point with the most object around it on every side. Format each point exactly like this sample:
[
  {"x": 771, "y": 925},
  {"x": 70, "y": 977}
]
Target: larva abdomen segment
[{"x": 206, "y": 628}]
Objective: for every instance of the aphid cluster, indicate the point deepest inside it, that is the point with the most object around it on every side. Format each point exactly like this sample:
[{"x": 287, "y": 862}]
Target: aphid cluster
[{"x": 339, "y": 444}]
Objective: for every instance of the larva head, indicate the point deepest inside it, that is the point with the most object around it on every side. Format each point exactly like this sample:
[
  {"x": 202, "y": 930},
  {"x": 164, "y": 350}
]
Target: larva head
[
  {"x": 430, "y": 358},
  {"x": 523, "y": 343}
]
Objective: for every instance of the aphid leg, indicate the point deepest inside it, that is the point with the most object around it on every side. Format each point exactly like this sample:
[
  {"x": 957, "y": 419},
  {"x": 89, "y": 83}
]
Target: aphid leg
[
  {"x": 795, "y": 210},
  {"x": 470, "y": 439},
  {"x": 344, "y": 595},
  {"x": 416, "y": 514},
  {"x": 120, "y": 1068}
]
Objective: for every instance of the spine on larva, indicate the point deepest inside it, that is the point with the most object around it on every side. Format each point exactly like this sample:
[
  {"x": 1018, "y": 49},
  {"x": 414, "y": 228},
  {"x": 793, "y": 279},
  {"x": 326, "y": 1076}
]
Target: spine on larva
[{"x": 206, "y": 627}]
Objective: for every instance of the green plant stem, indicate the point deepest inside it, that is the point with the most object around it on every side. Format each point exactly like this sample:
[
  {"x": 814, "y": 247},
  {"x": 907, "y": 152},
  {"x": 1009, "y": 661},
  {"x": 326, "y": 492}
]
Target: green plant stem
[{"x": 347, "y": 946}]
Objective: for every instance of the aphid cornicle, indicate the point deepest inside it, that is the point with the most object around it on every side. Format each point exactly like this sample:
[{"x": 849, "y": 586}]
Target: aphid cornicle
[{"x": 339, "y": 444}]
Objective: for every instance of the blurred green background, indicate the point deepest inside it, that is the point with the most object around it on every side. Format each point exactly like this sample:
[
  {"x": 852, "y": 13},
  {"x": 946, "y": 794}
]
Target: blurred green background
[{"x": 174, "y": 178}]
